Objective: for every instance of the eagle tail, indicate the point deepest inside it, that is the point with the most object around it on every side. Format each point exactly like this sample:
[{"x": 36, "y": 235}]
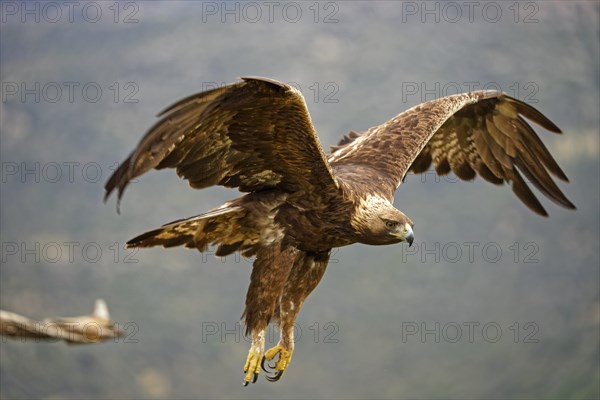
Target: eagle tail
[{"x": 215, "y": 227}]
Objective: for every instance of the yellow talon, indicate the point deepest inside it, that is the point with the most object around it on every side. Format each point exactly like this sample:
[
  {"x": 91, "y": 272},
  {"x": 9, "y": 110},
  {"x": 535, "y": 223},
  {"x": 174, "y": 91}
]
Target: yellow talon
[
  {"x": 252, "y": 367},
  {"x": 285, "y": 356}
]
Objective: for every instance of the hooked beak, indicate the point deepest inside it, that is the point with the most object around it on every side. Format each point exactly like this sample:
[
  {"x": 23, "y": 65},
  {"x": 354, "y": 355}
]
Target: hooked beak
[{"x": 405, "y": 233}]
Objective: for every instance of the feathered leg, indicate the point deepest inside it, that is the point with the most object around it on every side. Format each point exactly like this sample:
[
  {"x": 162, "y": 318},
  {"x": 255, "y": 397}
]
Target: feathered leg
[
  {"x": 269, "y": 275},
  {"x": 303, "y": 279}
]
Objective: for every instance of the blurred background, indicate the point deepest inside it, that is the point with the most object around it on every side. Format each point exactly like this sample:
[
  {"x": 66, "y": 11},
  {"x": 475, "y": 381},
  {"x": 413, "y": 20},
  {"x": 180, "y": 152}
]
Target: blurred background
[{"x": 492, "y": 301}]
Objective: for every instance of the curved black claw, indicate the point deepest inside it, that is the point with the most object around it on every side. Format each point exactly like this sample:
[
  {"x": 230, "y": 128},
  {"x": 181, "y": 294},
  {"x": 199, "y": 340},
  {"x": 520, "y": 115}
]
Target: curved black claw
[
  {"x": 254, "y": 379},
  {"x": 276, "y": 377},
  {"x": 271, "y": 374},
  {"x": 262, "y": 365}
]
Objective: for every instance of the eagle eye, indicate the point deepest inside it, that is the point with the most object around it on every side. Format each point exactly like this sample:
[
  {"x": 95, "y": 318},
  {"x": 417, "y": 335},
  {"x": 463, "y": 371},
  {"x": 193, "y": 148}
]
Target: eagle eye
[{"x": 390, "y": 224}]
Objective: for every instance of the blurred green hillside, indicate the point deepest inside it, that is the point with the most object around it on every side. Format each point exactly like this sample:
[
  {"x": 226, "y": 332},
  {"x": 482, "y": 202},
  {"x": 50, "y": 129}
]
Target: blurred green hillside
[{"x": 516, "y": 317}]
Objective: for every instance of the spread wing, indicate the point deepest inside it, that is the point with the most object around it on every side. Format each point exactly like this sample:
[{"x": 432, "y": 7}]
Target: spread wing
[
  {"x": 479, "y": 133},
  {"x": 254, "y": 134}
]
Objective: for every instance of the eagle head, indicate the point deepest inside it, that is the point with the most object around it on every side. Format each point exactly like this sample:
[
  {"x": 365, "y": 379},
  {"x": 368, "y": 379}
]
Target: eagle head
[{"x": 378, "y": 222}]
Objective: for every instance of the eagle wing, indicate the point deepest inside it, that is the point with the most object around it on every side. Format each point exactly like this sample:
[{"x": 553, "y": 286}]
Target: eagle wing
[
  {"x": 254, "y": 134},
  {"x": 479, "y": 133}
]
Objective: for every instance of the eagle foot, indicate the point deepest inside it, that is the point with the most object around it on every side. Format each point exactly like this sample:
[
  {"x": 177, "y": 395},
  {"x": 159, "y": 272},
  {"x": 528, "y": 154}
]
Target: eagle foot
[
  {"x": 252, "y": 367},
  {"x": 285, "y": 356}
]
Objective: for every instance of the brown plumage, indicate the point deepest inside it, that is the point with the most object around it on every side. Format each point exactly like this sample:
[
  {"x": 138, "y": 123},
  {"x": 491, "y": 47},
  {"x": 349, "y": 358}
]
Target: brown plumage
[
  {"x": 84, "y": 329},
  {"x": 257, "y": 135}
]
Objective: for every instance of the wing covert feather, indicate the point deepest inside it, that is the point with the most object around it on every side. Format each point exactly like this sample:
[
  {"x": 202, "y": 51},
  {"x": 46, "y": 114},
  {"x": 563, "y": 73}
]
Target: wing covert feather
[
  {"x": 479, "y": 133},
  {"x": 253, "y": 135}
]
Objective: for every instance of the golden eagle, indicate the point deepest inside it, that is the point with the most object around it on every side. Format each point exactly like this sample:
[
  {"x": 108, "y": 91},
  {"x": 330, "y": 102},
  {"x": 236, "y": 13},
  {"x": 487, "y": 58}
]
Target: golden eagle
[{"x": 300, "y": 202}]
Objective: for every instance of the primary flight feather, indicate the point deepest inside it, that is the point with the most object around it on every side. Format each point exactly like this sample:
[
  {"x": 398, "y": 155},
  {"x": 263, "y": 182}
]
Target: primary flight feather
[{"x": 257, "y": 135}]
